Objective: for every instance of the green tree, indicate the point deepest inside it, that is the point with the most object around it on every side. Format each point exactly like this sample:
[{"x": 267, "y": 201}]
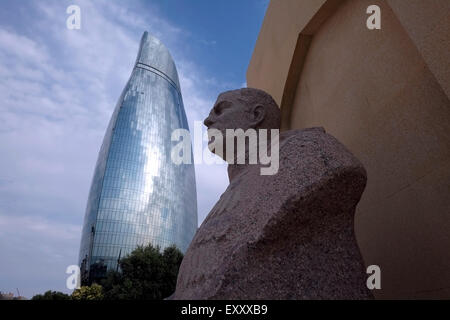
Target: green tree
[
  {"x": 146, "y": 274},
  {"x": 172, "y": 258},
  {"x": 93, "y": 292},
  {"x": 51, "y": 295}
]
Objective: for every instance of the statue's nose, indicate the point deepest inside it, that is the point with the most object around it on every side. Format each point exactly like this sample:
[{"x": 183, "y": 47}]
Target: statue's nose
[{"x": 208, "y": 122}]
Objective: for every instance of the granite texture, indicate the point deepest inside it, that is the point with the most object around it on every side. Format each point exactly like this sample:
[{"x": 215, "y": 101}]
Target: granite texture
[{"x": 283, "y": 236}]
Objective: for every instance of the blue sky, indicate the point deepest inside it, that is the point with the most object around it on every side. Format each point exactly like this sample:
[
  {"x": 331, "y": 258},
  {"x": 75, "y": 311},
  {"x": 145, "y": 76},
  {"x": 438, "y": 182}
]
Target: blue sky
[{"x": 58, "y": 88}]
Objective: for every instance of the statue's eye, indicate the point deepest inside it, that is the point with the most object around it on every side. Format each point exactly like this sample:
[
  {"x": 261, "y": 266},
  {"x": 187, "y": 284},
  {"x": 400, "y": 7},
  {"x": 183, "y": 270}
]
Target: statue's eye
[{"x": 218, "y": 109}]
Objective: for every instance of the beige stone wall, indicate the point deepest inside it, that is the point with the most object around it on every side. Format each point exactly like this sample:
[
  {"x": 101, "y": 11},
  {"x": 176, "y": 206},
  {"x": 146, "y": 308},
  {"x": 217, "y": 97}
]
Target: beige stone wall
[
  {"x": 385, "y": 95},
  {"x": 268, "y": 67}
]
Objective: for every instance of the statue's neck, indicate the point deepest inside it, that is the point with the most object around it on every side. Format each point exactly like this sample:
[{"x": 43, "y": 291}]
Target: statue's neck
[{"x": 235, "y": 170}]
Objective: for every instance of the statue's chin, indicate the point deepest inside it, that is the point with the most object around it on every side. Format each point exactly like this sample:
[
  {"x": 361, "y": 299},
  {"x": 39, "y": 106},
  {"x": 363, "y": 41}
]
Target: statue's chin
[{"x": 222, "y": 156}]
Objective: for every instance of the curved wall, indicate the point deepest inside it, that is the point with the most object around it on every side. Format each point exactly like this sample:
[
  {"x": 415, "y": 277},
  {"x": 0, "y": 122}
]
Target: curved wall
[{"x": 385, "y": 95}]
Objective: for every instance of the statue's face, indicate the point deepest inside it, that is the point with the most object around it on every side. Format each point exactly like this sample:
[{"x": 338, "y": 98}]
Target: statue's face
[{"x": 229, "y": 112}]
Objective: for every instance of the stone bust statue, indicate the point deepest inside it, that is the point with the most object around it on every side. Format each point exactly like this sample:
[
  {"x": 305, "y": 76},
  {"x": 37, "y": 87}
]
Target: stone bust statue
[{"x": 287, "y": 235}]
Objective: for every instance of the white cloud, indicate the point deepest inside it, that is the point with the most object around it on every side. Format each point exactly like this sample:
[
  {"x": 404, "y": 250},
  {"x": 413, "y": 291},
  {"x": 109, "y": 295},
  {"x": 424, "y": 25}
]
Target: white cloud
[
  {"x": 36, "y": 253},
  {"x": 58, "y": 88},
  {"x": 20, "y": 47}
]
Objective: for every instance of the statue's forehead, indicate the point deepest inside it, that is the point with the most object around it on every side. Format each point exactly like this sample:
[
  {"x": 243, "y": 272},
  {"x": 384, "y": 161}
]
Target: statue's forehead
[
  {"x": 224, "y": 97},
  {"x": 228, "y": 97}
]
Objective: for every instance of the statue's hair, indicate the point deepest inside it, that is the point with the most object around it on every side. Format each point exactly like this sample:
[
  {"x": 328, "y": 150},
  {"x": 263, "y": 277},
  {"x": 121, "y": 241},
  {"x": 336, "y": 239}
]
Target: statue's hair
[{"x": 252, "y": 97}]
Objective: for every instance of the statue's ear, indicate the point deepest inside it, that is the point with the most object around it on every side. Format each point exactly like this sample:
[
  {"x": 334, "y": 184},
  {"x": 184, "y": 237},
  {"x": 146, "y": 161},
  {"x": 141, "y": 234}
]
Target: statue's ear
[{"x": 258, "y": 114}]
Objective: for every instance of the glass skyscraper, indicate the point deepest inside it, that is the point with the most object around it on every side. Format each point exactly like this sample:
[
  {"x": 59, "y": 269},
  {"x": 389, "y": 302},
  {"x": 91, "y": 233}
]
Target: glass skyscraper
[{"x": 138, "y": 195}]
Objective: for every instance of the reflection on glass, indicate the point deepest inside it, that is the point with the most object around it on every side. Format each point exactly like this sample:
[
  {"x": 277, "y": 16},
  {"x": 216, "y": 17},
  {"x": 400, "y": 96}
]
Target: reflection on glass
[{"x": 138, "y": 196}]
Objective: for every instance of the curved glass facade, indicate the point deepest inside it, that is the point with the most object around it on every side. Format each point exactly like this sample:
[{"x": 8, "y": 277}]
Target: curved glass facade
[{"x": 138, "y": 195}]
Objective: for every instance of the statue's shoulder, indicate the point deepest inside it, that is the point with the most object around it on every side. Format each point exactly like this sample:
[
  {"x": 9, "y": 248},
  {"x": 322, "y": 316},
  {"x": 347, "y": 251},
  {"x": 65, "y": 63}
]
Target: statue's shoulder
[
  {"x": 299, "y": 135},
  {"x": 313, "y": 148},
  {"x": 300, "y": 143}
]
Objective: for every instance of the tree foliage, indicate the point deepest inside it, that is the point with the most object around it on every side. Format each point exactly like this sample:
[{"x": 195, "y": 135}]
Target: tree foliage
[
  {"x": 51, "y": 295},
  {"x": 93, "y": 292},
  {"x": 146, "y": 274}
]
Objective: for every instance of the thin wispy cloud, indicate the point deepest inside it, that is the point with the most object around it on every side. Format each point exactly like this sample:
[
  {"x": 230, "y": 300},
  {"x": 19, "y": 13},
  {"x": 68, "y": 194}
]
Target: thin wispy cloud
[{"x": 58, "y": 88}]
